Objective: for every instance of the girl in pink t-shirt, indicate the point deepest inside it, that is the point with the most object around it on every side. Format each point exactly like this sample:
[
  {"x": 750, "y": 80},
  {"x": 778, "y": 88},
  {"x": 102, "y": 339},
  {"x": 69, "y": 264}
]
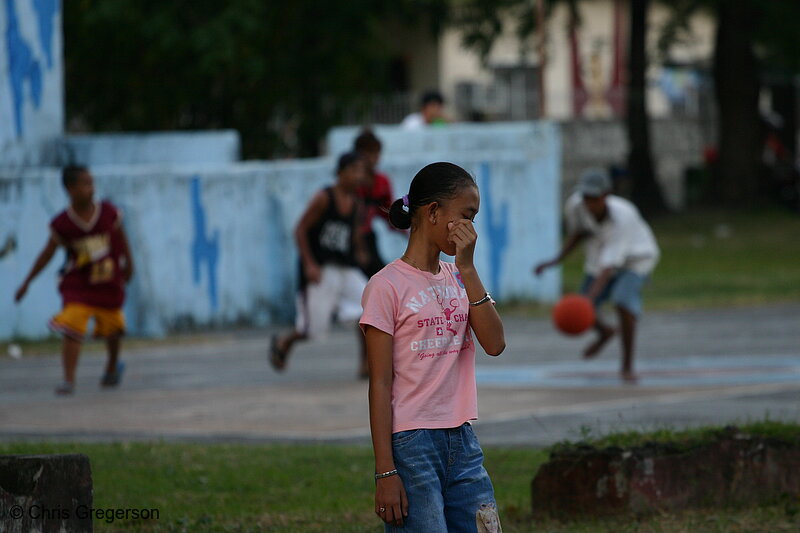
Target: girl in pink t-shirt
[{"x": 421, "y": 319}]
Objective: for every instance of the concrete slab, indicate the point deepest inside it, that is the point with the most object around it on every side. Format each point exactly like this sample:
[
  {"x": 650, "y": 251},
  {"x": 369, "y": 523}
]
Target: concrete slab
[{"x": 699, "y": 367}]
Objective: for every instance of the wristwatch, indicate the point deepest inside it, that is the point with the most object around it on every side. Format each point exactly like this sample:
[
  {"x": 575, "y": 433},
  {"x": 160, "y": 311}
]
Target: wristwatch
[{"x": 486, "y": 298}]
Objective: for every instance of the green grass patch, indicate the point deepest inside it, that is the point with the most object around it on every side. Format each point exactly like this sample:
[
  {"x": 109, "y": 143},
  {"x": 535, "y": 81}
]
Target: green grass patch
[
  {"x": 684, "y": 439},
  {"x": 715, "y": 258},
  {"x": 316, "y": 488}
]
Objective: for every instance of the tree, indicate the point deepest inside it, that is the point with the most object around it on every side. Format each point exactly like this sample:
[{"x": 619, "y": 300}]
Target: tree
[
  {"x": 753, "y": 38},
  {"x": 736, "y": 88},
  {"x": 482, "y": 22},
  {"x": 645, "y": 190},
  {"x": 279, "y": 72}
]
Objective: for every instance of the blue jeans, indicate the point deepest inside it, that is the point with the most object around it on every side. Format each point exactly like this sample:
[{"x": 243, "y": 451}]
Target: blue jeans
[
  {"x": 624, "y": 290},
  {"x": 447, "y": 487}
]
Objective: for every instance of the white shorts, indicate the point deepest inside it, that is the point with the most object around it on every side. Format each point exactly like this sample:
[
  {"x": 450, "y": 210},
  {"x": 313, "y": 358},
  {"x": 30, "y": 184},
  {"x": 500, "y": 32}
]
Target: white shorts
[{"x": 338, "y": 292}]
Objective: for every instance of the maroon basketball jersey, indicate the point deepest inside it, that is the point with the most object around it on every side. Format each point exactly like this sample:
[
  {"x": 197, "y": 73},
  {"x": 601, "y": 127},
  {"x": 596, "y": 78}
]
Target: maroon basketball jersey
[{"x": 91, "y": 274}]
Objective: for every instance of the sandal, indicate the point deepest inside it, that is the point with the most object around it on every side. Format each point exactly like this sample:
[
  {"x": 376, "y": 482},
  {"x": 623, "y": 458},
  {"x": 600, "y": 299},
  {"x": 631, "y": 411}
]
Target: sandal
[
  {"x": 65, "y": 389},
  {"x": 277, "y": 358},
  {"x": 112, "y": 379}
]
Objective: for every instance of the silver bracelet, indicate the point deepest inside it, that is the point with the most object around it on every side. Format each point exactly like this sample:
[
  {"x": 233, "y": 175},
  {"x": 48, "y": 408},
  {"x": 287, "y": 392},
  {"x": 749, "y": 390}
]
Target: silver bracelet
[
  {"x": 486, "y": 298},
  {"x": 386, "y": 474}
]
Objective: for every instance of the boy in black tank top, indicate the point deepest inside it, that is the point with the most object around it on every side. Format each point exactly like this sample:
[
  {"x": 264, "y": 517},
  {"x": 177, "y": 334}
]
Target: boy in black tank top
[{"x": 330, "y": 247}]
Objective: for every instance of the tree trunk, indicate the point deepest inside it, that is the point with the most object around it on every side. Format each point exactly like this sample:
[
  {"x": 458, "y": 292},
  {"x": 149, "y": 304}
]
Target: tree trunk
[
  {"x": 736, "y": 86},
  {"x": 645, "y": 191},
  {"x": 784, "y": 103}
]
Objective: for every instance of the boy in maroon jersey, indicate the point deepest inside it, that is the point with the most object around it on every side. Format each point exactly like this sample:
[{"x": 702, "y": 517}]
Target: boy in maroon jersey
[{"x": 92, "y": 282}]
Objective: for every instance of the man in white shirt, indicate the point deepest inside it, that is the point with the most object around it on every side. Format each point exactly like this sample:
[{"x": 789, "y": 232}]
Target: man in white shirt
[
  {"x": 621, "y": 252},
  {"x": 431, "y": 112}
]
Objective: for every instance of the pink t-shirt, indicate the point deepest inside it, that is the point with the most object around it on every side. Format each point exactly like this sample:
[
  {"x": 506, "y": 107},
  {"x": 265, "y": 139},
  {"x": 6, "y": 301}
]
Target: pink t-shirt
[{"x": 433, "y": 355}]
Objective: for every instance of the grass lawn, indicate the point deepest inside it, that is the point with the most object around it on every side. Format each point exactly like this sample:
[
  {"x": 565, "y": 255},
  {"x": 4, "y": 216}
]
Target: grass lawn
[
  {"x": 313, "y": 488},
  {"x": 712, "y": 258},
  {"x": 719, "y": 258}
]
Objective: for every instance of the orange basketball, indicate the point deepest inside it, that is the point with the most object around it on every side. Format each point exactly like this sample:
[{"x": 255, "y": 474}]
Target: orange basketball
[{"x": 573, "y": 314}]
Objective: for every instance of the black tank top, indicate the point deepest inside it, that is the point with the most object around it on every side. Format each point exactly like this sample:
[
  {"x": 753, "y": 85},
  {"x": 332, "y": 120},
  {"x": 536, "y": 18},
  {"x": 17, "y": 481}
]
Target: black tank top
[{"x": 331, "y": 237}]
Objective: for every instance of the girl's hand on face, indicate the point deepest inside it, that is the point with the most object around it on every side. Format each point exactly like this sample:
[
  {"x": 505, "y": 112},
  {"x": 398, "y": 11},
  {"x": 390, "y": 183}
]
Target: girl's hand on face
[
  {"x": 391, "y": 503},
  {"x": 463, "y": 235}
]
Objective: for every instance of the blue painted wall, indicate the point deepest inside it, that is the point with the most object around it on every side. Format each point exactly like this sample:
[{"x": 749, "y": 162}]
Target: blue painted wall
[
  {"x": 31, "y": 80},
  {"x": 517, "y": 166},
  {"x": 214, "y": 247}
]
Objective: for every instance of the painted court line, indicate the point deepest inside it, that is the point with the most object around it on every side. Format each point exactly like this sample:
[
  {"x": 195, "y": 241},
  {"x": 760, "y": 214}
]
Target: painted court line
[
  {"x": 689, "y": 371},
  {"x": 662, "y": 399}
]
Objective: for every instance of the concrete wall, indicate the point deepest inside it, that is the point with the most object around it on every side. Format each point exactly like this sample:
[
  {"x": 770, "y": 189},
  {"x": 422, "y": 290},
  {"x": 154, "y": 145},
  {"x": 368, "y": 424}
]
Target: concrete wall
[
  {"x": 517, "y": 168},
  {"x": 176, "y": 147},
  {"x": 505, "y": 140},
  {"x": 677, "y": 144},
  {"x": 213, "y": 245},
  {"x": 31, "y": 81}
]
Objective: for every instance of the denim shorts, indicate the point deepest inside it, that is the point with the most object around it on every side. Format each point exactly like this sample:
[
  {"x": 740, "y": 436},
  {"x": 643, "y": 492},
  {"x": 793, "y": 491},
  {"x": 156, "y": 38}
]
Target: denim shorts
[
  {"x": 447, "y": 487},
  {"x": 623, "y": 290}
]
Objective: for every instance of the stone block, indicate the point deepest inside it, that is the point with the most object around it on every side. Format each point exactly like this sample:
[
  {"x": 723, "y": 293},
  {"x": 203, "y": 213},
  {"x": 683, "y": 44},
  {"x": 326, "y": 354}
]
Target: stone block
[
  {"x": 732, "y": 470},
  {"x": 45, "y": 493}
]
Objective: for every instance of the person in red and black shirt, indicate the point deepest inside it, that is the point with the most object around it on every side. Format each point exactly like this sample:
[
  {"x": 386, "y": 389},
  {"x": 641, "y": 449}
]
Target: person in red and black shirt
[
  {"x": 332, "y": 258},
  {"x": 376, "y": 193},
  {"x": 92, "y": 281}
]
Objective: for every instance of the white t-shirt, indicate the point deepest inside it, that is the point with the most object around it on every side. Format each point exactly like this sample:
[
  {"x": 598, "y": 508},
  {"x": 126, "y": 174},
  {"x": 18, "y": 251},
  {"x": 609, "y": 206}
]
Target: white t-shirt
[
  {"x": 622, "y": 240},
  {"x": 414, "y": 121}
]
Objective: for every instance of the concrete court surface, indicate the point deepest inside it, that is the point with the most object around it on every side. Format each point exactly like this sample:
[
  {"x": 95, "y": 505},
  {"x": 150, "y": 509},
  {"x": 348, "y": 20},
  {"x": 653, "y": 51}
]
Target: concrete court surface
[{"x": 698, "y": 367}]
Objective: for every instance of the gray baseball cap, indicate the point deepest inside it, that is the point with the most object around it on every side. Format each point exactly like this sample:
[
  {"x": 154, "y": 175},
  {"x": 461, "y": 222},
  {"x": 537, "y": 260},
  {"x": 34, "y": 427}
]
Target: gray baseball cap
[{"x": 594, "y": 182}]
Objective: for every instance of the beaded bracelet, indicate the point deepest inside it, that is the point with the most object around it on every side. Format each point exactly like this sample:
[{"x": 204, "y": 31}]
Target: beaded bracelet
[{"x": 386, "y": 474}]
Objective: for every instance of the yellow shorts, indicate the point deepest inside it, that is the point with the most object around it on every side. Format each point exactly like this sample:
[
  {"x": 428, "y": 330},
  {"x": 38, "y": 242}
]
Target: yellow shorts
[{"x": 73, "y": 321}]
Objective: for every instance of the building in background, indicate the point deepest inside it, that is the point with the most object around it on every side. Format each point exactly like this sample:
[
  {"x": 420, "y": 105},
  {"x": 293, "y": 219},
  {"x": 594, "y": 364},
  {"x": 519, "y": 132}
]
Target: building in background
[{"x": 580, "y": 75}]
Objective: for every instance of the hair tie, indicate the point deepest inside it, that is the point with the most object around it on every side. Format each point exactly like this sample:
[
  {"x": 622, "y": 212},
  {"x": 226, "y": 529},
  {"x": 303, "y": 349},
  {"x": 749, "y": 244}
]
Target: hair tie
[{"x": 405, "y": 203}]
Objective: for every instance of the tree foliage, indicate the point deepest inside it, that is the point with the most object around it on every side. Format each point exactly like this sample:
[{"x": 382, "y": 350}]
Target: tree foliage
[
  {"x": 483, "y": 21},
  {"x": 757, "y": 44},
  {"x": 755, "y": 40},
  {"x": 282, "y": 72},
  {"x": 774, "y": 28},
  {"x": 275, "y": 71}
]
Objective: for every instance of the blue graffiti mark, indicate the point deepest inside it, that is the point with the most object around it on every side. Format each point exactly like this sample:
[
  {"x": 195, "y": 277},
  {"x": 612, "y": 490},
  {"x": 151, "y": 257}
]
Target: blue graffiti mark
[
  {"x": 21, "y": 66},
  {"x": 497, "y": 226},
  {"x": 46, "y": 11},
  {"x": 203, "y": 249},
  {"x": 9, "y": 246}
]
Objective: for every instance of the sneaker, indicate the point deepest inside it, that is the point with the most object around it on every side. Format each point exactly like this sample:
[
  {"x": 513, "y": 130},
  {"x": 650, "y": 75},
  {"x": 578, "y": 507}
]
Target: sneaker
[
  {"x": 65, "y": 389},
  {"x": 112, "y": 379}
]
